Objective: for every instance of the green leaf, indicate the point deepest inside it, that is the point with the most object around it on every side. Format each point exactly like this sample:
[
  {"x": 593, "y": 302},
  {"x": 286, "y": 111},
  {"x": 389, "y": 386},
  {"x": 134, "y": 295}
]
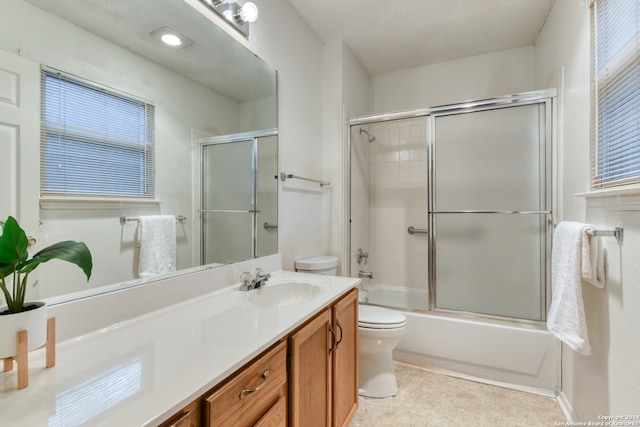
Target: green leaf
[
  {"x": 13, "y": 244},
  {"x": 74, "y": 252}
]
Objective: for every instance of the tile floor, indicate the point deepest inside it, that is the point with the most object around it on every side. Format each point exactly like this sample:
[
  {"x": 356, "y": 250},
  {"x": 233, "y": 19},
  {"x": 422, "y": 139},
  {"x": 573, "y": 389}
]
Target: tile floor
[{"x": 430, "y": 399}]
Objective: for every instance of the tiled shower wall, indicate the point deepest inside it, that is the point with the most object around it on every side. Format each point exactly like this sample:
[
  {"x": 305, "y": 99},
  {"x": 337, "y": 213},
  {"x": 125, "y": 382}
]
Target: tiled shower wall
[{"x": 397, "y": 199}]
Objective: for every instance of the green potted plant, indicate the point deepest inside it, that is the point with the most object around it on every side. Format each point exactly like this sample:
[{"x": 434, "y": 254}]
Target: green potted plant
[{"x": 15, "y": 267}]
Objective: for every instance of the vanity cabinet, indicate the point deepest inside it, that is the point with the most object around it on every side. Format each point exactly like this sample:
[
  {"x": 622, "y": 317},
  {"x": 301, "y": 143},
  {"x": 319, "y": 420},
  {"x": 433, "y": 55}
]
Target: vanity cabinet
[
  {"x": 257, "y": 395},
  {"x": 323, "y": 377},
  {"x": 310, "y": 378}
]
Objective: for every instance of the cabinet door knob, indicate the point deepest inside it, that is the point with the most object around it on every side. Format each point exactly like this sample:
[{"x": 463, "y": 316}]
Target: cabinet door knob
[{"x": 248, "y": 391}]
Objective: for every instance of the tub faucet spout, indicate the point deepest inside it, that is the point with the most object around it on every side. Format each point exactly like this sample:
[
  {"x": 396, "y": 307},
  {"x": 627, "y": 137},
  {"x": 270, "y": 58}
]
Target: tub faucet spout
[{"x": 365, "y": 274}]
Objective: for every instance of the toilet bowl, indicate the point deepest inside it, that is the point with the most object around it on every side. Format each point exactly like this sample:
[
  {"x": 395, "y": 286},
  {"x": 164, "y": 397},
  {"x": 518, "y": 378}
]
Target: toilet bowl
[{"x": 379, "y": 331}]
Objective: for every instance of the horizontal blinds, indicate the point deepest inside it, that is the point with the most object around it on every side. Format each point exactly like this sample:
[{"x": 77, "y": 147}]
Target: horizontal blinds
[
  {"x": 616, "y": 93},
  {"x": 94, "y": 141}
]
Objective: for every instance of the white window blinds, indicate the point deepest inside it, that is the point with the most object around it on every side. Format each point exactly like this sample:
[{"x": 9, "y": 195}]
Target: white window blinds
[
  {"x": 615, "y": 122},
  {"x": 94, "y": 141}
]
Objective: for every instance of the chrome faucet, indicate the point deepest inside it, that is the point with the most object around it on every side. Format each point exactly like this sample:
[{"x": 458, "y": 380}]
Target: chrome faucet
[
  {"x": 362, "y": 256},
  {"x": 365, "y": 274},
  {"x": 253, "y": 281}
]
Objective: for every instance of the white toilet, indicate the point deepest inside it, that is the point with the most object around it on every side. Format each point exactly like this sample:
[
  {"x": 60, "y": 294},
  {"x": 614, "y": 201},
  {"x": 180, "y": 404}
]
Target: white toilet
[
  {"x": 323, "y": 264},
  {"x": 379, "y": 331}
]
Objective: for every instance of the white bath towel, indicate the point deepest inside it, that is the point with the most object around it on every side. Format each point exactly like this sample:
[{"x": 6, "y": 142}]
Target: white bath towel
[
  {"x": 157, "y": 245},
  {"x": 576, "y": 255}
]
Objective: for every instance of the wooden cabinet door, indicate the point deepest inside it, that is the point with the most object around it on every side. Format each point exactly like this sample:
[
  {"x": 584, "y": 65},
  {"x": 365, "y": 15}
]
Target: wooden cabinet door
[
  {"x": 310, "y": 373},
  {"x": 345, "y": 359},
  {"x": 191, "y": 416}
]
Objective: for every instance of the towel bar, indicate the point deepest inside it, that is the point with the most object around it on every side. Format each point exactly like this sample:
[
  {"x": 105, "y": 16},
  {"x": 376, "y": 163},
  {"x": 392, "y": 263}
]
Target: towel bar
[
  {"x": 124, "y": 219},
  {"x": 284, "y": 176},
  {"x": 618, "y": 233}
]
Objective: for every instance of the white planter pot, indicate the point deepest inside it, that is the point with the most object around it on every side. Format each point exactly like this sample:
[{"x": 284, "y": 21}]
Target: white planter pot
[{"x": 33, "y": 321}]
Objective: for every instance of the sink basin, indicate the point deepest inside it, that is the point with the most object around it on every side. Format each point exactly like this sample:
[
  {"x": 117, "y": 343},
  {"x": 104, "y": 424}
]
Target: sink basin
[{"x": 279, "y": 294}]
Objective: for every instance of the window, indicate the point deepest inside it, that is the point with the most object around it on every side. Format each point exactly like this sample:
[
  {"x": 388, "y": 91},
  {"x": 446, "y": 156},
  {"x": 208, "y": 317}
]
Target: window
[
  {"x": 615, "y": 122},
  {"x": 94, "y": 141}
]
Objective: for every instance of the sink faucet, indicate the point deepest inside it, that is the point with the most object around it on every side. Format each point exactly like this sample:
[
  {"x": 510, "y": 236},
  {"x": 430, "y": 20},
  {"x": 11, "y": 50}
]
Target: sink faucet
[{"x": 253, "y": 281}]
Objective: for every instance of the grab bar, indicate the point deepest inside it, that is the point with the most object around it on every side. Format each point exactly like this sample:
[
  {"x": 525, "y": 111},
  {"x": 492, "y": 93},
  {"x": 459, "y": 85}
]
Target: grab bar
[
  {"x": 268, "y": 226},
  {"x": 413, "y": 230},
  {"x": 285, "y": 176}
]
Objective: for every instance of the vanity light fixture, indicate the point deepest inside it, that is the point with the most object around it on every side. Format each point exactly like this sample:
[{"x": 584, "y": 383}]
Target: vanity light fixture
[
  {"x": 171, "y": 38},
  {"x": 238, "y": 16}
]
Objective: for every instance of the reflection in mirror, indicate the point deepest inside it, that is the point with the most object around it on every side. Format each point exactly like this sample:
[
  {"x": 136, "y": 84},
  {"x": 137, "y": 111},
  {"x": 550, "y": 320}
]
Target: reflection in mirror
[
  {"x": 233, "y": 216},
  {"x": 210, "y": 87}
]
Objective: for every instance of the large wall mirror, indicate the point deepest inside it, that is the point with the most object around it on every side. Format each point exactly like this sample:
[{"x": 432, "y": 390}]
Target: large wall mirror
[{"x": 211, "y": 91}]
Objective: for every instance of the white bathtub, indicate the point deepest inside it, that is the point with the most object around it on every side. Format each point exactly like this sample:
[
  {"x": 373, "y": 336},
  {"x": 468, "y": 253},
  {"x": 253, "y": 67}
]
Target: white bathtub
[
  {"x": 523, "y": 355},
  {"x": 402, "y": 298}
]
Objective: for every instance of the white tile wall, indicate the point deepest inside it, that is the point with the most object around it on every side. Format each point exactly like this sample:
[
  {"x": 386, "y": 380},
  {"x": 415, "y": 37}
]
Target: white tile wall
[{"x": 397, "y": 200}]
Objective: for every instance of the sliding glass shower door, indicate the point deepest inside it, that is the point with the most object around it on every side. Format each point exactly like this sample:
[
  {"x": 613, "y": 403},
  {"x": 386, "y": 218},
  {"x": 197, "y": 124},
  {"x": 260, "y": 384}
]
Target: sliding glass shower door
[
  {"x": 239, "y": 198},
  {"x": 490, "y": 209}
]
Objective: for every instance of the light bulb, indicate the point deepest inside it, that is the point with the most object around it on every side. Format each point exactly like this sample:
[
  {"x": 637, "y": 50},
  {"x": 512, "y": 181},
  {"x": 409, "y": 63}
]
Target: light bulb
[
  {"x": 248, "y": 12},
  {"x": 171, "y": 39}
]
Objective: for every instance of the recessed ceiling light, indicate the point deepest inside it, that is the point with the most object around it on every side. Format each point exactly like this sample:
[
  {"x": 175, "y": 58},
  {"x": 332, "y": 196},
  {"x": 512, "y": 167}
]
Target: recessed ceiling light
[{"x": 170, "y": 37}]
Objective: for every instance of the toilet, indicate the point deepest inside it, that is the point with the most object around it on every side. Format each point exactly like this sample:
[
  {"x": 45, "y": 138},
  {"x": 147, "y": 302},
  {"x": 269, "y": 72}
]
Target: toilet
[
  {"x": 379, "y": 331},
  {"x": 323, "y": 264}
]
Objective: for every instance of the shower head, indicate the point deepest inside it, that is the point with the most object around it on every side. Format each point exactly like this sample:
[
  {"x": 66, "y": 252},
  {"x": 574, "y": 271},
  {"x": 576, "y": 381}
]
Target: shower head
[{"x": 371, "y": 138}]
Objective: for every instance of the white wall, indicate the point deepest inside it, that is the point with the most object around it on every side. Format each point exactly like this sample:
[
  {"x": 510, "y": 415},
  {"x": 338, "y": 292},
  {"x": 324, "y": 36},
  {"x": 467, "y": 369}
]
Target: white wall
[
  {"x": 607, "y": 381},
  {"x": 477, "y": 77},
  {"x": 281, "y": 38},
  {"x": 346, "y": 96}
]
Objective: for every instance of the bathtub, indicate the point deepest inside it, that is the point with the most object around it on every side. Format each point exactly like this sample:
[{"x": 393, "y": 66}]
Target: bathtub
[{"x": 522, "y": 356}]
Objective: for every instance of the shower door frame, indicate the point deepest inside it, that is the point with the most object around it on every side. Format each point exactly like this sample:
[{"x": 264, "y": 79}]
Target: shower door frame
[{"x": 546, "y": 96}]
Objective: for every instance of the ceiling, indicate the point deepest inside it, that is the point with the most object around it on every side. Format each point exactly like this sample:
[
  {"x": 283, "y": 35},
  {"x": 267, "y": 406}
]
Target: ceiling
[
  {"x": 391, "y": 35},
  {"x": 214, "y": 60}
]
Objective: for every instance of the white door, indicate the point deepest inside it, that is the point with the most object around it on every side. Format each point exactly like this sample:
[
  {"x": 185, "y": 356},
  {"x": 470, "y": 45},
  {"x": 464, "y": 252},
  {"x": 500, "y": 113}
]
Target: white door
[{"x": 20, "y": 142}]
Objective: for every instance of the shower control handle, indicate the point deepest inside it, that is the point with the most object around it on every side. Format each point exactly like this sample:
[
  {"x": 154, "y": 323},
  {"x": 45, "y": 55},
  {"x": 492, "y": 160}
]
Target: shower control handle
[{"x": 362, "y": 255}]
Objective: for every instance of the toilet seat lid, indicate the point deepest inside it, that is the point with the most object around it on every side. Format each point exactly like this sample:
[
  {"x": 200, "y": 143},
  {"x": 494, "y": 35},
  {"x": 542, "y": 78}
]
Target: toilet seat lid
[{"x": 380, "y": 318}]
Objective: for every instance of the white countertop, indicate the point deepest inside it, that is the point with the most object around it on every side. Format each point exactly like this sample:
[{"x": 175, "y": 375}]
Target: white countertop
[{"x": 143, "y": 370}]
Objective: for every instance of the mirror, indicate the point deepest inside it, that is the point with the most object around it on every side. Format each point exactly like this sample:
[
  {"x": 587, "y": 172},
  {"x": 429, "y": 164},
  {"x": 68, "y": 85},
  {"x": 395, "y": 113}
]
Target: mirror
[{"x": 214, "y": 87}]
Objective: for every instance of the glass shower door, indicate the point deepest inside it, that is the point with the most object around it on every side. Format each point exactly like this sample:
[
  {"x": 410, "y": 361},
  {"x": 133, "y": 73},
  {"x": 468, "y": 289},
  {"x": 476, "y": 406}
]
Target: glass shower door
[
  {"x": 239, "y": 197},
  {"x": 228, "y": 202},
  {"x": 267, "y": 196},
  {"x": 490, "y": 210}
]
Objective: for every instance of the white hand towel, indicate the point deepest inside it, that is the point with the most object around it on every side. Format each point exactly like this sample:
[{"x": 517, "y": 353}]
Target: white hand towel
[
  {"x": 575, "y": 256},
  {"x": 157, "y": 245}
]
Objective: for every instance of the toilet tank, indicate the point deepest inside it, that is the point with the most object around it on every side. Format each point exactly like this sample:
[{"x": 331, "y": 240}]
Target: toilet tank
[{"x": 323, "y": 264}]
